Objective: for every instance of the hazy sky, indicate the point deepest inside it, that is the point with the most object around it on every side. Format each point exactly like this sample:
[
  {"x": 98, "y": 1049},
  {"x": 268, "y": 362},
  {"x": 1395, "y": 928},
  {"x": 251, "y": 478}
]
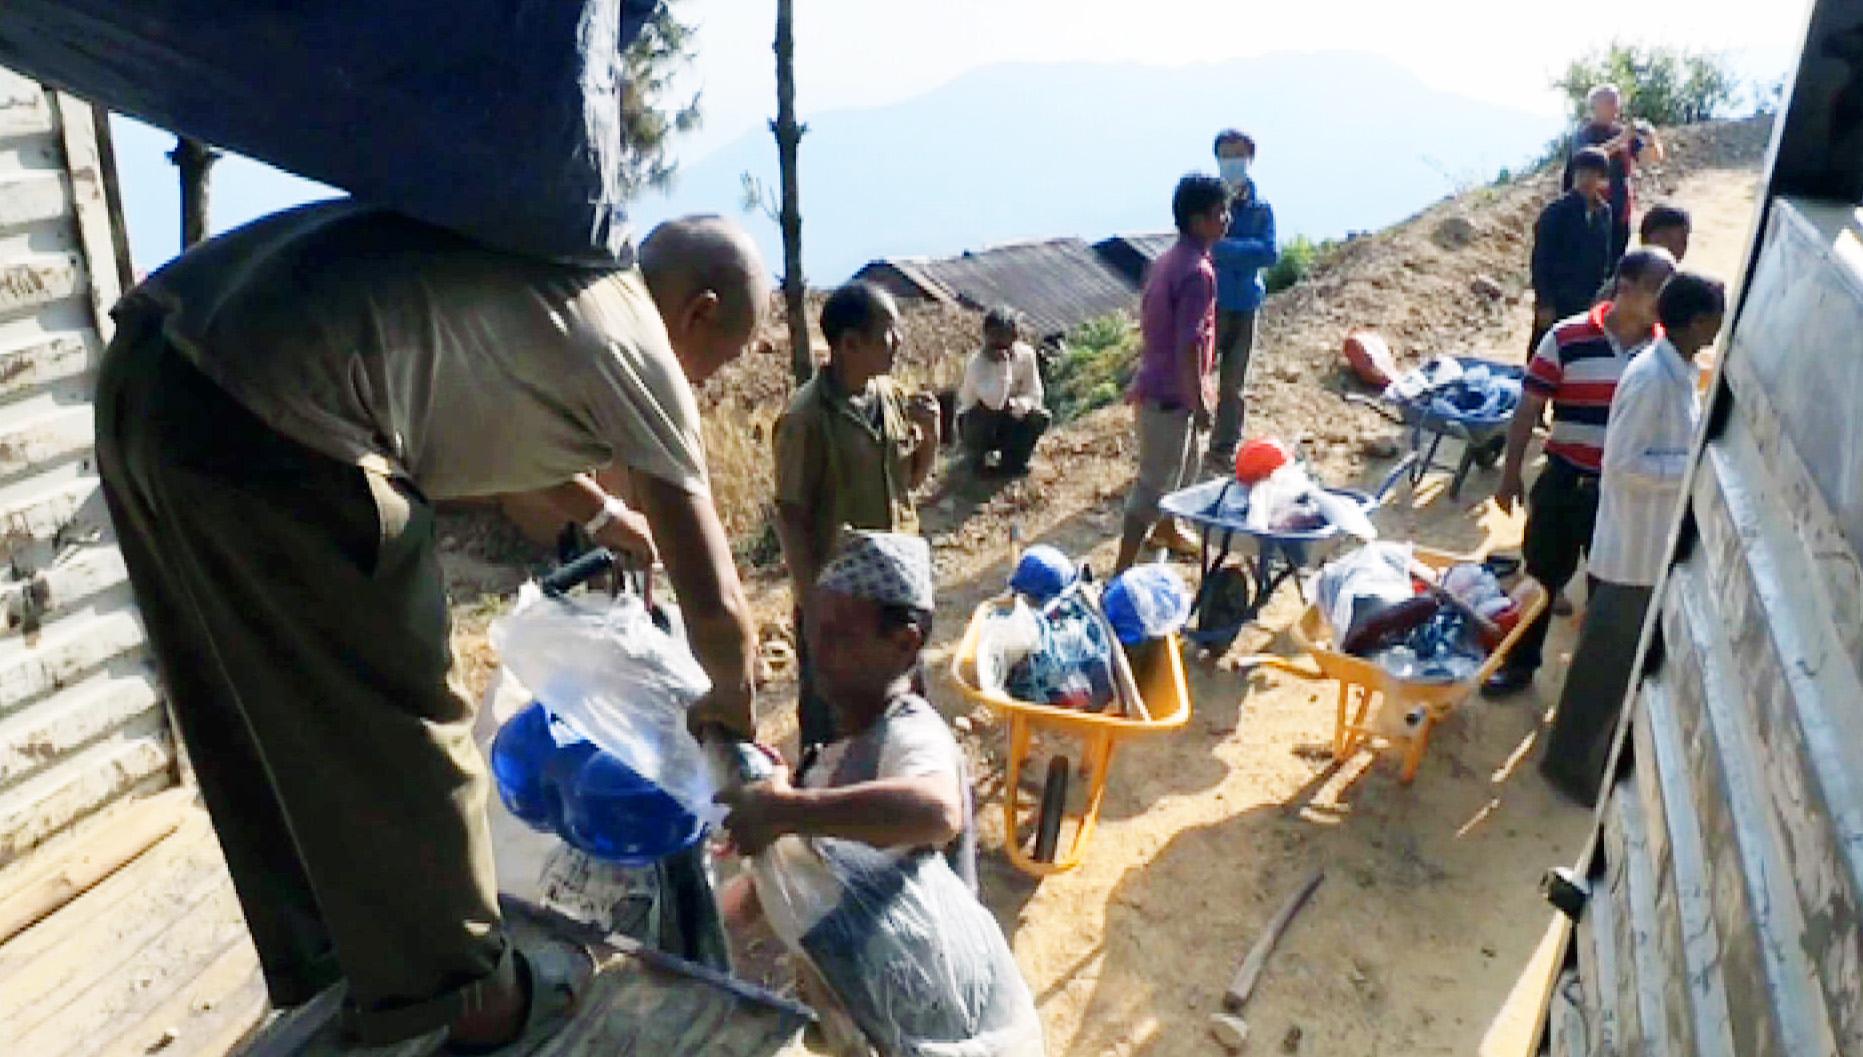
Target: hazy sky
[
  {"x": 871, "y": 52},
  {"x": 854, "y": 53}
]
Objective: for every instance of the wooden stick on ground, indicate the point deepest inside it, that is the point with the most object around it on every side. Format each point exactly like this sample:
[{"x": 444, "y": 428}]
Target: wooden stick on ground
[{"x": 1229, "y": 1025}]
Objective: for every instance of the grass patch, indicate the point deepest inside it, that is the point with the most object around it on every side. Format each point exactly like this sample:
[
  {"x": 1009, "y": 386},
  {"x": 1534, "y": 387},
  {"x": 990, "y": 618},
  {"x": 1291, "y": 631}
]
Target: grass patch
[
  {"x": 1294, "y": 264},
  {"x": 1093, "y": 366}
]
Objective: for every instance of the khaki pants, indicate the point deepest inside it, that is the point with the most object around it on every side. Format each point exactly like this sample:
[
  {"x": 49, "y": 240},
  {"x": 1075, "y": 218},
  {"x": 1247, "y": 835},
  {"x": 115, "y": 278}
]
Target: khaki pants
[
  {"x": 296, "y": 611},
  {"x": 1167, "y": 458}
]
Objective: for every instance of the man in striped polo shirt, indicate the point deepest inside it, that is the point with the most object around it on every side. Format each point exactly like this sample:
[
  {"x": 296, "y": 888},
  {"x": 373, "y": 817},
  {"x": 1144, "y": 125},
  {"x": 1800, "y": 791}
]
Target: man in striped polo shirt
[{"x": 1576, "y": 369}]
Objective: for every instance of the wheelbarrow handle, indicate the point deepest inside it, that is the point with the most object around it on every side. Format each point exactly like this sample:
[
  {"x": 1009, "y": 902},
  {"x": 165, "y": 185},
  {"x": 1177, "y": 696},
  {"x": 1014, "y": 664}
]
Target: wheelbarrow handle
[
  {"x": 1283, "y": 664},
  {"x": 1379, "y": 407},
  {"x": 1391, "y": 478}
]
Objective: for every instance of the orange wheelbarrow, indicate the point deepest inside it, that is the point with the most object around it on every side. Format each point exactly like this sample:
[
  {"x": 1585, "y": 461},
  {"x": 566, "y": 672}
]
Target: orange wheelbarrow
[
  {"x": 1158, "y": 669},
  {"x": 1411, "y": 710}
]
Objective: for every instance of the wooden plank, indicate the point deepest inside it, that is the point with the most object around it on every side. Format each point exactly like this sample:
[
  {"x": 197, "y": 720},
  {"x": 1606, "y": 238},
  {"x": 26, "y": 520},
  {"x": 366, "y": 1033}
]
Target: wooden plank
[
  {"x": 120, "y": 983},
  {"x": 207, "y": 1016},
  {"x": 47, "y": 359},
  {"x": 140, "y": 757},
  {"x": 641, "y": 1003},
  {"x": 104, "y": 948},
  {"x": 32, "y": 197},
  {"x": 65, "y": 653},
  {"x": 148, "y": 883},
  {"x": 82, "y": 867},
  {"x": 30, "y": 283}
]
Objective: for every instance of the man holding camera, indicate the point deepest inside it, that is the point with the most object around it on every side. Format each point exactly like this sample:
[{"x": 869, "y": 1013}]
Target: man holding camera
[{"x": 1626, "y": 144}]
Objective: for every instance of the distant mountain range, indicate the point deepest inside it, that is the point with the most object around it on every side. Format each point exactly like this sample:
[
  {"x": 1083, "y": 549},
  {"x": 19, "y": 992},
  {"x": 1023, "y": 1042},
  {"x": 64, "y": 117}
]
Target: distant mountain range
[{"x": 1347, "y": 142}]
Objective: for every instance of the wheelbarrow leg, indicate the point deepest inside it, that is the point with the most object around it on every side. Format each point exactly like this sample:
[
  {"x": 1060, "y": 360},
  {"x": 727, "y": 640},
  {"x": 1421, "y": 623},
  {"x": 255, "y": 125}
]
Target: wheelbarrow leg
[
  {"x": 1461, "y": 472},
  {"x": 1099, "y": 750},
  {"x": 1413, "y": 756}
]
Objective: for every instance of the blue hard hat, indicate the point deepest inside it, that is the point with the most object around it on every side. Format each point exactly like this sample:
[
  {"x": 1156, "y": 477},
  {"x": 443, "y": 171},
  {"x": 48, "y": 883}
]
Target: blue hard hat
[
  {"x": 1042, "y": 573},
  {"x": 1146, "y": 602}
]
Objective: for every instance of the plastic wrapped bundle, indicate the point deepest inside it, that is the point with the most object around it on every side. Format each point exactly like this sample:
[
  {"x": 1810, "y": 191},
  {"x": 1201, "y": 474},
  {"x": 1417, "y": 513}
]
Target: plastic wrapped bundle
[
  {"x": 914, "y": 959},
  {"x": 501, "y": 121}
]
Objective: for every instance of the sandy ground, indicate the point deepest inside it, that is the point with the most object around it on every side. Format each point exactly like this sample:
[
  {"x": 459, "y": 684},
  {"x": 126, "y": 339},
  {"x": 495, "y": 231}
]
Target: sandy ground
[{"x": 1429, "y": 910}]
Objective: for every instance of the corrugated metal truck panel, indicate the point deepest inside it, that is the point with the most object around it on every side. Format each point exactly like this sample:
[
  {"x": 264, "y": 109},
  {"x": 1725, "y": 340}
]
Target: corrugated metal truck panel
[
  {"x": 82, "y": 722},
  {"x": 1726, "y": 907}
]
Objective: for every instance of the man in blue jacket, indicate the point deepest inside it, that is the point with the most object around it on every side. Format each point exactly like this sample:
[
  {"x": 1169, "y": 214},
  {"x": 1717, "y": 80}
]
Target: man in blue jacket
[{"x": 1239, "y": 256}]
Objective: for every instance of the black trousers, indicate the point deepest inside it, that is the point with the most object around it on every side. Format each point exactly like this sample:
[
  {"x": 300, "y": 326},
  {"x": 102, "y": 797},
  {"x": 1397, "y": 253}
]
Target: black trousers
[
  {"x": 983, "y": 431},
  {"x": 1561, "y": 512},
  {"x": 1579, "y": 743}
]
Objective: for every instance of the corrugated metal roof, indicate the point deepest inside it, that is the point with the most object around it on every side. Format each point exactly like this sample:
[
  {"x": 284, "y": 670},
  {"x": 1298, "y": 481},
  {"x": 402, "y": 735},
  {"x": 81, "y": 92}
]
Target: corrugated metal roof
[
  {"x": 1057, "y": 284},
  {"x": 81, "y": 719},
  {"x": 1131, "y": 255}
]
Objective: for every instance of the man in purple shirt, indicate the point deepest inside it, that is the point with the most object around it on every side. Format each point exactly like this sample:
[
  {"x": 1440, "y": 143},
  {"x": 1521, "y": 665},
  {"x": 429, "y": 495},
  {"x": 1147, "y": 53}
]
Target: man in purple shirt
[{"x": 1173, "y": 392}]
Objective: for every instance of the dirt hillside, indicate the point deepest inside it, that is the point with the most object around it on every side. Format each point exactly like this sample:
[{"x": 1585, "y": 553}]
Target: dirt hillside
[{"x": 1429, "y": 911}]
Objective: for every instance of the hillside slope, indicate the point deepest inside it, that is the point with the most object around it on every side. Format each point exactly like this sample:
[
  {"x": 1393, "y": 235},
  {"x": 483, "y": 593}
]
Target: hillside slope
[{"x": 1430, "y": 908}]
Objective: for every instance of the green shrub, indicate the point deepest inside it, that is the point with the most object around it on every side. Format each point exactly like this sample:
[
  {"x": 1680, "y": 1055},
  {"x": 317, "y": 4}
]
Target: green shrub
[
  {"x": 1297, "y": 257},
  {"x": 1091, "y": 368},
  {"x": 1661, "y": 85}
]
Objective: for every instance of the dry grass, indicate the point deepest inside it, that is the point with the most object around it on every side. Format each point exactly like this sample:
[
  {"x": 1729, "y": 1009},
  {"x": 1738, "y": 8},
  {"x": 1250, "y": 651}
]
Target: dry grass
[{"x": 741, "y": 403}]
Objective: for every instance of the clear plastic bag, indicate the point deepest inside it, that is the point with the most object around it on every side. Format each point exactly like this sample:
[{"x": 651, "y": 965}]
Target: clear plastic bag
[
  {"x": 914, "y": 959},
  {"x": 1359, "y": 585},
  {"x": 601, "y": 666}
]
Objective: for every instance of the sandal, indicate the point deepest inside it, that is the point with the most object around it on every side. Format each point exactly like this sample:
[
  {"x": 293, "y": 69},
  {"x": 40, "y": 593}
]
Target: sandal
[{"x": 554, "y": 974}]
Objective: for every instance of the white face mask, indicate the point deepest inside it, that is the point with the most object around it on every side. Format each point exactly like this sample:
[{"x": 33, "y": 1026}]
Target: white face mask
[{"x": 1233, "y": 170}]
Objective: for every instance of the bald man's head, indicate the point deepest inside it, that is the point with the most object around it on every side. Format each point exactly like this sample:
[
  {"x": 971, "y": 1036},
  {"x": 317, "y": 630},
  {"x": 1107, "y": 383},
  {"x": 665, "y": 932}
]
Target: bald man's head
[{"x": 708, "y": 281}]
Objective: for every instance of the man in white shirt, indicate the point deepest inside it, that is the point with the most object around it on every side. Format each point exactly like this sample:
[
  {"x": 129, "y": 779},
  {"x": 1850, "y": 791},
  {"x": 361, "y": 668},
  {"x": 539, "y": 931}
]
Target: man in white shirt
[
  {"x": 999, "y": 404},
  {"x": 1646, "y": 449}
]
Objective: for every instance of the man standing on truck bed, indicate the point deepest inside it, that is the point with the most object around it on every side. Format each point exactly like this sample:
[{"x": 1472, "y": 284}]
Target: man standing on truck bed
[{"x": 274, "y": 415}]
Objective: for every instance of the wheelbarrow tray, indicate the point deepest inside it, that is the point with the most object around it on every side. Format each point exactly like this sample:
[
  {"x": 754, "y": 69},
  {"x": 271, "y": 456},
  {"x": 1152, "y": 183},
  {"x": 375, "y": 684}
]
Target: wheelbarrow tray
[
  {"x": 1158, "y": 669},
  {"x": 1218, "y": 508},
  {"x": 1428, "y": 426},
  {"x": 1365, "y": 687}
]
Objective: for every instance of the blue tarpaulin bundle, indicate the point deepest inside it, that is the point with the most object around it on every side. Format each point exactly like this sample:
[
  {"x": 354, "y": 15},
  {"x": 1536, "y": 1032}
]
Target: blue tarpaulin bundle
[{"x": 500, "y": 119}]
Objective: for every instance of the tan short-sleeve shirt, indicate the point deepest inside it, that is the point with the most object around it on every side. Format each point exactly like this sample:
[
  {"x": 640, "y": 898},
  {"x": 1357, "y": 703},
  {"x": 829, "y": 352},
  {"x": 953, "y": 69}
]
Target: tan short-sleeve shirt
[
  {"x": 409, "y": 350},
  {"x": 833, "y": 460}
]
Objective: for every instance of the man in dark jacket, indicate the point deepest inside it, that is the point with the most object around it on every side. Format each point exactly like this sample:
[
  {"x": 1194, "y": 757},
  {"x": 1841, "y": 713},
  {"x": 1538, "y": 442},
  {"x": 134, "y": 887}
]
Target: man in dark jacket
[
  {"x": 1239, "y": 256},
  {"x": 1572, "y": 245},
  {"x": 1626, "y": 144}
]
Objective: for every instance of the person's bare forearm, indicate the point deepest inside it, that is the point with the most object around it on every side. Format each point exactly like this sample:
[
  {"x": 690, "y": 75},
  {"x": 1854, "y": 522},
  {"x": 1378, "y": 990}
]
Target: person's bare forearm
[
  {"x": 578, "y": 499},
  {"x": 717, "y": 616},
  {"x": 1520, "y": 432},
  {"x": 1190, "y": 375},
  {"x": 889, "y": 813},
  {"x": 795, "y": 530},
  {"x": 924, "y": 456}
]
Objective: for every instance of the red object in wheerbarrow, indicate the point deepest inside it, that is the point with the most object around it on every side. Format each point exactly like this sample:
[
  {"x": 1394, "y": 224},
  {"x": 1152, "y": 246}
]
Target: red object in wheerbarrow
[{"x": 1258, "y": 458}]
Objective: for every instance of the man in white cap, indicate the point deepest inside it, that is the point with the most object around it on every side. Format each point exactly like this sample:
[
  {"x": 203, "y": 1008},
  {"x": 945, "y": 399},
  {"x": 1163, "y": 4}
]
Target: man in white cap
[{"x": 895, "y": 779}]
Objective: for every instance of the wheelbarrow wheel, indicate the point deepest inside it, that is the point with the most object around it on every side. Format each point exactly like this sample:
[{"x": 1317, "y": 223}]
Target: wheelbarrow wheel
[{"x": 1053, "y": 807}]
